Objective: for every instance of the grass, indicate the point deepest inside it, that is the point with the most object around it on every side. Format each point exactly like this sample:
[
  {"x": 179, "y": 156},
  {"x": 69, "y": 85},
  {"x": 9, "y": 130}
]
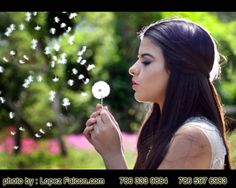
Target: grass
[{"x": 83, "y": 159}]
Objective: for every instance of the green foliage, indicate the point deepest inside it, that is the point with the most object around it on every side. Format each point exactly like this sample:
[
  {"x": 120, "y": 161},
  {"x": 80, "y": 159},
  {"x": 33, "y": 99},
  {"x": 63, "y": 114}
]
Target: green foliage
[{"x": 112, "y": 44}]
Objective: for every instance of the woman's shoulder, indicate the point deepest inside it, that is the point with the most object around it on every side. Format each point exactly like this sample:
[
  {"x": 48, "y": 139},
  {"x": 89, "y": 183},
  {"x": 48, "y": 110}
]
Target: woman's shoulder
[{"x": 189, "y": 148}]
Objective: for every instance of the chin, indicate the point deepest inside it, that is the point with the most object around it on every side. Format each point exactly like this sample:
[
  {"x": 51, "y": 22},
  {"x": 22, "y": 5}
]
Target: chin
[{"x": 140, "y": 98}]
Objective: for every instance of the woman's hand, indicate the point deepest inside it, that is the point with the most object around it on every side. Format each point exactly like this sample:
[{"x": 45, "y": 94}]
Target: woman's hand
[{"x": 103, "y": 132}]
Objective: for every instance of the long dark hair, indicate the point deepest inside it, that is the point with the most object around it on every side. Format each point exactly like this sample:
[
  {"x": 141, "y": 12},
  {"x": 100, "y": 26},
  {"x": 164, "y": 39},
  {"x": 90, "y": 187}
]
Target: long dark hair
[{"x": 190, "y": 56}]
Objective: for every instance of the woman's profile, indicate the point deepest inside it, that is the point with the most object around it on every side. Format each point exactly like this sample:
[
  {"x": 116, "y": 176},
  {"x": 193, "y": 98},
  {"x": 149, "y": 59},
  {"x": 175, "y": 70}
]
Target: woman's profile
[{"x": 185, "y": 126}]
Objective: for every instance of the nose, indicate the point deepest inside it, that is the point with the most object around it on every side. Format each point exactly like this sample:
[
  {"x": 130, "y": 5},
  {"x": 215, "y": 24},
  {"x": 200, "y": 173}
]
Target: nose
[{"x": 133, "y": 70}]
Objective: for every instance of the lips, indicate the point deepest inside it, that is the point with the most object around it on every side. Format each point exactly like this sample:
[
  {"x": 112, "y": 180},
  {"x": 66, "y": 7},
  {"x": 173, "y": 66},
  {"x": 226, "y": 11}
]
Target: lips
[{"x": 134, "y": 84}]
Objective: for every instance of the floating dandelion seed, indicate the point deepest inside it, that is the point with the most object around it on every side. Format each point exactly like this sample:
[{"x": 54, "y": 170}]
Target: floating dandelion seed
[
  {"x": 72, "y": 15},
  {"x": 21, "y": 129},
  {"x": 21, "y": 27},
  {"x": 41, "y": 130},
  {"x": 70, "y": 82},
  {"x": 21, "y": 61},
  {"x": 71, "y": 40},
  {"x": 56, "y": 19},
  {"x": 1, "y": 69},
  {"x": 49, "y": 124},
  {"x": 28, "y": 16},
  {"x": 68, "y": 29},
  {"x": 34, "y": 43},
  {"x": 37, "y": 135},
  {"x": 90, "y": 67},
  {"x": 84, "y": 94},
  {"x": 5, "y": 59},
  {"x": 83, "y": 62},
  {"x": 74, "y": 71},
  {"x": 53, "y": 64},
  {"x": 100, "y": 90},
  {"x": 11, "y": 115},
  {"x": 63, "y": 25},
  {"x": 35, "y": 13},
  {"x": 26, "y": 57},
  {"x": 55, "y": 79},
  {"x": 80, "y": 53},
  {"x": 52, "y": 95},
  {"x": 47, "y": 50},
  {"x": 2, "y": 100},
  {"x": 16, "y": 147},
  {"x": 79, "y": 59},
  {"x": 12, "y": 52},
  {"x": 37, "y": 28},
  {"x": 86, "y": 81},
  {"x": 65, "y": 102},
  {"x": 56, "y": 47},
  {"x": 52, "y": 31},
  {"x": 39, "y": 78},
  {"x": 13, "y": 133},
  {"x": 81, "y": 76}
]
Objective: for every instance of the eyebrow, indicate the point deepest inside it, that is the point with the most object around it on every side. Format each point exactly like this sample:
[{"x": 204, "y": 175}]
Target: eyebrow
[{"x": 146, "y": 54}]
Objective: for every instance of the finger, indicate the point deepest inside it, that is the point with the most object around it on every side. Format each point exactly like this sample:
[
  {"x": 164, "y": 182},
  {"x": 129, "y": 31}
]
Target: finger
[
  {"x": 99, "y": 121},
  {"x": 112, "y": 119},
  {"x": 96, "y": 113},
  {"x": 105, "y": 117},
  {"x": 90, "y": 122},
  {"x": 87, "y": 132},
  {"x": 99, "y": 106}
]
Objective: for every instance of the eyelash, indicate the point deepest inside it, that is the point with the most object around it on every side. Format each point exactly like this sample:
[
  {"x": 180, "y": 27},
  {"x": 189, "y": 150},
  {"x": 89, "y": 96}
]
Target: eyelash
[{"x": 146, "y": 63}]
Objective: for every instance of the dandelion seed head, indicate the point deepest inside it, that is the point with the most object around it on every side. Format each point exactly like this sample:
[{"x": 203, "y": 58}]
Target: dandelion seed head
[{"x": 100, "y": 90}]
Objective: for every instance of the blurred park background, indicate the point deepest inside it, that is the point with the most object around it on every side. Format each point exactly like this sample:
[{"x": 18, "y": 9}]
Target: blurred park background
[{"x": 48, "y": 64}]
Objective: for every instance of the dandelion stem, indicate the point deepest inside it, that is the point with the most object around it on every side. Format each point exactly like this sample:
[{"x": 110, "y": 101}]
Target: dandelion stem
[{"x": 102, "y": 101}]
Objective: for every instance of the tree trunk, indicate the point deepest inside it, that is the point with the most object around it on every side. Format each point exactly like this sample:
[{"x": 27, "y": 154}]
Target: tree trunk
[{"x": 59, "y": 124}]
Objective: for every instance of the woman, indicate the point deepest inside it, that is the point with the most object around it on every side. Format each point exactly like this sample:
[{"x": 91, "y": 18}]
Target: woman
[{"x": 185, "y": 127}]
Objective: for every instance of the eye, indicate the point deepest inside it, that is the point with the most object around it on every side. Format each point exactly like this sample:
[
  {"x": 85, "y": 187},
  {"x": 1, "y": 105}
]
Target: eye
[{"x": 146, "y": 62}]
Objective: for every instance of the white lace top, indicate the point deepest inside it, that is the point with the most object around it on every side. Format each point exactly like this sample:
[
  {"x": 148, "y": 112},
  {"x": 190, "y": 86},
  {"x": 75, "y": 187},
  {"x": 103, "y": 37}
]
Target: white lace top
[{"x": 218, "y": 149}]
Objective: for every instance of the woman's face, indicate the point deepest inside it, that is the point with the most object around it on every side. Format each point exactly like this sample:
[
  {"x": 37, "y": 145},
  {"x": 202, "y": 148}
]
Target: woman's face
[{"x": 150, "y": 76}]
